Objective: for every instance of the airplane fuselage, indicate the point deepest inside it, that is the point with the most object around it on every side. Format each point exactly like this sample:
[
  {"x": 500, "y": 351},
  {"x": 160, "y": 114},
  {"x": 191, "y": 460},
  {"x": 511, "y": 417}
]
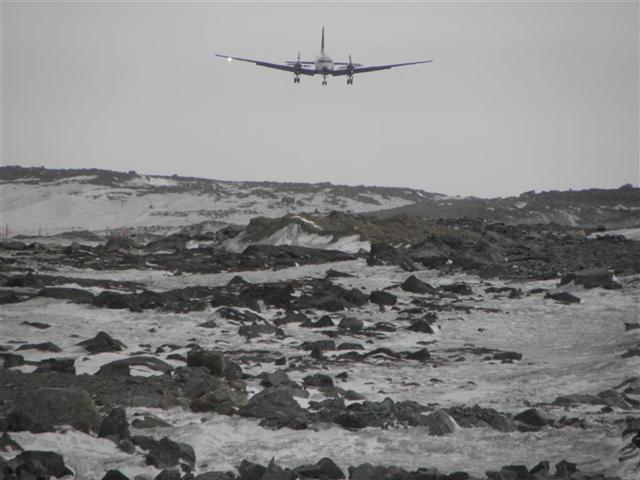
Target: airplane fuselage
[{"x": 324, "y": 64}]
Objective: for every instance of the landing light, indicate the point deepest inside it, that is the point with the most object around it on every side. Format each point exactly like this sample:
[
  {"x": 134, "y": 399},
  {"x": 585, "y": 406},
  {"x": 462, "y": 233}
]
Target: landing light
[{"x": 229, "y": 59}]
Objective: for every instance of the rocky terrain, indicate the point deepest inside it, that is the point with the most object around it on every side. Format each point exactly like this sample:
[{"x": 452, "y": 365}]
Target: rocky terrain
[{"x": 314, "y": 342}]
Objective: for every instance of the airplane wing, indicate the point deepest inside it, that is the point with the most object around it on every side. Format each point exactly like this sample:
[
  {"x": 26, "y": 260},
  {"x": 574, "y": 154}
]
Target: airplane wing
[
  {"x": 277, "y": 66},
  {"x": 375, "y": 68}
]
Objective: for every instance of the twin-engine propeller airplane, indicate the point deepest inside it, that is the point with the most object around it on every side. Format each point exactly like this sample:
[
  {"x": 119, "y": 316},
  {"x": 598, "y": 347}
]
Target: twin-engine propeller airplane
[{"x": 323, "y": 65}]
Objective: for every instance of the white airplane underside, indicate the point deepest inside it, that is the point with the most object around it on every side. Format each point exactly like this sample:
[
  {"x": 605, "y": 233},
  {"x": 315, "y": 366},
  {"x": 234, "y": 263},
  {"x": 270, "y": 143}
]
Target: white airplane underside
[{"x": 322, "y": 65}]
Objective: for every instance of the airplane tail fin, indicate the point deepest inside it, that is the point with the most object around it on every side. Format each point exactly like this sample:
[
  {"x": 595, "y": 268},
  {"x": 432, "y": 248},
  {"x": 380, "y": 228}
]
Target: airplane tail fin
[{"x": 322, "y": 45}]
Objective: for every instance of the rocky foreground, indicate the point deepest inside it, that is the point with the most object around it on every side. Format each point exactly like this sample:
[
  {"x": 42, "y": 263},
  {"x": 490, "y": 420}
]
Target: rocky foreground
[{"x": 471, "y": 350}]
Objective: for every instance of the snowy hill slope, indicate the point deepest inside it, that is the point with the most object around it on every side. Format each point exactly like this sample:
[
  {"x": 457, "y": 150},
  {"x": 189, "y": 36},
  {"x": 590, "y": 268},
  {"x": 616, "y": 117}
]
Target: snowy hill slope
[{"x": 52, "y": 201}]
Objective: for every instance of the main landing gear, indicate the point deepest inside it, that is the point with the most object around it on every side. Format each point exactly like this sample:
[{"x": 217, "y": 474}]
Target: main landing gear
[
  {"x": 296, "y": 79},
  {"x": 324, "y": 80},
  {"x": 349, "y": 80}
]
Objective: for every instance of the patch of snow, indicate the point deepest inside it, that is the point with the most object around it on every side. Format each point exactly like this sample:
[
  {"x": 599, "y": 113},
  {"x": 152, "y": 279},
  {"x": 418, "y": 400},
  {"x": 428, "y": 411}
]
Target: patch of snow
[{"x": 630, "y": 233}]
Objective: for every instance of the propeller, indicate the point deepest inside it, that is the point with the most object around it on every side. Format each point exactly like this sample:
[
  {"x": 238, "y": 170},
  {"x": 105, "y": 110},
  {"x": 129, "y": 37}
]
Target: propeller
[{"x": 350, "y": 67}]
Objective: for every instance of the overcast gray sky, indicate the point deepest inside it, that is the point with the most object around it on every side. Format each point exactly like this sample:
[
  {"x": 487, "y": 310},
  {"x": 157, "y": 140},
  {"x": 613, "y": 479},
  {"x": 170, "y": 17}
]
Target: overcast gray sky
[{"x": 521, "y": 96}]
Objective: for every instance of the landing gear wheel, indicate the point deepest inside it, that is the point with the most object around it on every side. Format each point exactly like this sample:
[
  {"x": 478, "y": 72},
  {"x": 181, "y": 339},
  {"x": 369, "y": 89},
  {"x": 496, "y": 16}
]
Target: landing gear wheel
[
  {"x": 349, "y": 81},
  {"x": 324, "y": 82}
]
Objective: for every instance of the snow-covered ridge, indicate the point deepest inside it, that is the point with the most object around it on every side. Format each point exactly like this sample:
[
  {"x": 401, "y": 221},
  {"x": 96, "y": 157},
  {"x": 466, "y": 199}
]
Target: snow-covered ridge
[{"x": 40, "y": 201}]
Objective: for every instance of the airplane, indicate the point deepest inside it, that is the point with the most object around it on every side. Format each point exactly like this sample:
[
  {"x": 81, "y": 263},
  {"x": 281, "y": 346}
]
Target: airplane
[{"x": 323, "y": 65}]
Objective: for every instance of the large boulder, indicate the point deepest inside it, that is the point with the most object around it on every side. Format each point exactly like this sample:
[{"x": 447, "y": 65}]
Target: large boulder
[
  {"x": 121, "y": 366},
  {"x": 414, "y": 285},
  {"x": 213, "y": 361},
  {"x": 42, "y": 409},
  {"x": 367, "y": 471},
  {"x": 166, "y": 453},
  {"x": 440, "y": 423},
  {"x": 58, "y": 365},
  {"x": 277, "y": 408},
  {"x": 223, "y": 400},
  {"x": 482, "y": 417},
  {"x": 562, "y": 297},
  {"x": 115, "y": 426},
  {"x": 351, "y": 323},
  {"x": 324, "y": 469},
  {"x": 383, "y": 298},
  {"x": 37, "y": 465},
  {"x": 103, "y": 342}
]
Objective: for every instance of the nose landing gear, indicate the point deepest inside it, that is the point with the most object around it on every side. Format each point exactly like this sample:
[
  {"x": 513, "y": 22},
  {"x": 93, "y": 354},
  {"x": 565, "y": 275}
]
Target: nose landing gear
[
  {"x": 349, "y": 80},
  {"x": 324, "y": 80}
]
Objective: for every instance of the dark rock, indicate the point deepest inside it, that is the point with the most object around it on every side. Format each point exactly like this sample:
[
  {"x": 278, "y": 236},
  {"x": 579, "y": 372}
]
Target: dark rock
[
  {"x": 322, "y": 345},
  {"x": 440, "y": 423},
  {"x": 114, "y": 368},
  {"x": 43, "y": 347},
  {"x": 48, "y": 407},
  {"x": 275, "y": 472},
  {"x": 415, "y": 285},
  {"x": 367, "y": 471},
  {"x": 541, "y": 469},
  {"x": 166, "y": 453},
  {"x": 562, "y": 297},
  {"x": 331, "y": 273},
  {"x": 277, "y": 408},
  {"x": 152, "y": 363},
  {"x": 457, "y": 288},
  {"x": 479, "y": 417},
  {"x": 318, "y": 380},
  {"x": 350, "y": 346},
  {"x": 114, "y": 300},
  {"x": 507, "y": 357},
  {"x": 208, "y": 324},
  {"x": 222, "y": 400},
  {"x": 35, "y": 464},
  {"x": 564, "y": 469},
  {"x": 75, "y": 295},
  {"x": 384, "y": 327},
  {"x": 169, "y": 474},
  {"x": 324, "y": 322},
  {"x": 115, "y": 426},
  {"x": 103, "y": 342},
  {"x": 149, "y": 421},
  {"x": 324, "y": 469},
  {"x": 7, "y": 443},
  {"x": 291, "y": 316},
  {"x": 350, "y": 323},
  {"x": 356, "y": 297},
  {"x": 533, "y": 417},
  {"x": 231, "y": 313},
  {"x": 421, "y": 355},
  {"x": 275, "y": 379},
  {"x": 38, "y": 325},
  {"x": 115, "y": 475},
  {"x": 250, "y": 471},
  {"x": 422, "y": 326},
  {"x": 256, "y": 330},
  {"x": 216, "y": 476},
  {"x": 58, "y": 365},
  {"x": 213, "y": 361},
  {"x": 631, "y": 326},
  {"x": 609, "y": 398},
  {"x": 380, "y": 297},
  {"x": 10, "y": 360}
]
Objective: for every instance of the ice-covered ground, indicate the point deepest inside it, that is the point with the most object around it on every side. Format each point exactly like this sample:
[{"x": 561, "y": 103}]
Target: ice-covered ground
[
  {"x": 74, "y": 204},
  {"x": 567, "y": 349}
]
